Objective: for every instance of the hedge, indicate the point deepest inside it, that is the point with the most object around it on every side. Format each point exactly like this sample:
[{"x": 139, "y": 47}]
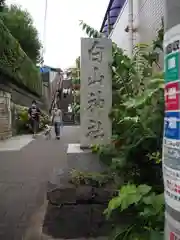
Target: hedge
[
  {"x": 21, "y": 120},
  {"x": 75, "y": 81},
  {"x": 16, "y": 64}
]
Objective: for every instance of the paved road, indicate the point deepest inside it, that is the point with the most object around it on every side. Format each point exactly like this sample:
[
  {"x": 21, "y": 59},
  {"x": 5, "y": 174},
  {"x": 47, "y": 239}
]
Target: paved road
[{"x": 23, "y": 178}]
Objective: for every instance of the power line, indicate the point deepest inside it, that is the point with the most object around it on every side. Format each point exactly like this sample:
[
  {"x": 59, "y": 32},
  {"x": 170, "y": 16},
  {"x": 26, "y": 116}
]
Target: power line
[{"x": 44, "y": 28}]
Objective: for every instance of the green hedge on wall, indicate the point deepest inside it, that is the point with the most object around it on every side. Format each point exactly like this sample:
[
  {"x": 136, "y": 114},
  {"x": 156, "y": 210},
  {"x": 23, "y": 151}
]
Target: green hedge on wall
[
  {"x": 75, "y": 81},
  {"x": 16, "y": 64}
]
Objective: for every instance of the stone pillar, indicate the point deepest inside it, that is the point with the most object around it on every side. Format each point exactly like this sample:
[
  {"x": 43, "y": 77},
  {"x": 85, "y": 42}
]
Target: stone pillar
[
  {"x": 95, "y": 91},
  {"x": 5, "y": 115},
  {"x": 171, "y": 146}
]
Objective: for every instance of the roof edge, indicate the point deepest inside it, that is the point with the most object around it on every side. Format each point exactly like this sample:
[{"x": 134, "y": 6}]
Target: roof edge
[{"x": 105, "y": 17}]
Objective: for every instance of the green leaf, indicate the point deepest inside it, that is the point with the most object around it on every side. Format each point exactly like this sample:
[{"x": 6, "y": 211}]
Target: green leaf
[
  {"x": 144, "y": 189},
  {"x": 90, "y": 31},
  {"x": 129, "y": 119},
  {"x": 158, "y": 202},
  {"x": 129, "y": 195},
  {"x": 148, "y": 212},
  {"x": 155, "y": 235},
  {"x": 20, "y": 24},
  {"x": 119, "y": 232},
  {"x": 120, "y": 162},
  {"x": 16, "y": 64},
  {"x": 113, "y": 204},
  {"x": 149, "y": 199}
]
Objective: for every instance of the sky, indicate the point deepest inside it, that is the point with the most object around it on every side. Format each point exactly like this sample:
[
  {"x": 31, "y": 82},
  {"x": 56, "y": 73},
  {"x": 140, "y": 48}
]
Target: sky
[{"x": 63, "y": 33}]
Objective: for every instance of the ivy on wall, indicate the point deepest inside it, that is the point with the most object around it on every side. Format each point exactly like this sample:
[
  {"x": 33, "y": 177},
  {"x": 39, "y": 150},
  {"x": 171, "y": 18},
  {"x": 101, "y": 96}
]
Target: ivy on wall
[{"x": 16, "y": 64}]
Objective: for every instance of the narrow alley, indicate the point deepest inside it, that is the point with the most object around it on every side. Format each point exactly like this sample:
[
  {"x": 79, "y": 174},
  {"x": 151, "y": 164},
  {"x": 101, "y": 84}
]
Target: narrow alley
[{"x": 23, "y": 179}]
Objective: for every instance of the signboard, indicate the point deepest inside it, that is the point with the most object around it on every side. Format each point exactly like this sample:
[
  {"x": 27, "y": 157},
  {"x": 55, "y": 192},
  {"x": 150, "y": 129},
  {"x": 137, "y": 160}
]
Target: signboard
[
  {"x": 172, "y": 55},
  {"x": 172, "y": 187},
  {"x": 172, "y": 143},
  {"x": 172, "y": 96},
  {"x": 172, "y": 67},
  {"x": 174, "y": 236},
  {"x": 171, "y": 156},
  {"x": 172, "y": 125},
  {"x": 172, "y": 228}
]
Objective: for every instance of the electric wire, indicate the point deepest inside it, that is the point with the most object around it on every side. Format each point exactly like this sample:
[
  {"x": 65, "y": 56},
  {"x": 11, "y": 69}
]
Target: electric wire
[{"x": 44, "y": 29}]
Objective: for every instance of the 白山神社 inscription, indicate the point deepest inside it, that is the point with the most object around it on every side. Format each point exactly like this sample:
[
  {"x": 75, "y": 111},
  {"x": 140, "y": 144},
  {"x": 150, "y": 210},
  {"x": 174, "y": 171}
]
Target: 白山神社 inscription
[
  {"x": 94, "y": 79},
  {"x": 96, "y": 91},
  {"x": 95, "y": 100}
]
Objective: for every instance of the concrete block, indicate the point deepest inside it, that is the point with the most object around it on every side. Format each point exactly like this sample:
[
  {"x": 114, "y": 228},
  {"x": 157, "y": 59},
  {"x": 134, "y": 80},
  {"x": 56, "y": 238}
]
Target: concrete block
[{"x": 83, "y": 159}]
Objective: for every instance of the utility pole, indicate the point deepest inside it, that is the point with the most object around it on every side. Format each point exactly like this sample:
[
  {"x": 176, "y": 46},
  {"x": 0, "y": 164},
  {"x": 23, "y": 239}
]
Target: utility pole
[
  {"x": 44, "y": 29},
  {"x": 171, "y": 143},
  {"x": 130, "y": 26},
  {"x": 109, "y": 23}
]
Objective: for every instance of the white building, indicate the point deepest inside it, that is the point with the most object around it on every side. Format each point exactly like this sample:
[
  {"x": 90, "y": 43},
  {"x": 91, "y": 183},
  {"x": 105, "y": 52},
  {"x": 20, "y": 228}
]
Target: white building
[{"x": 144, "y": 15}]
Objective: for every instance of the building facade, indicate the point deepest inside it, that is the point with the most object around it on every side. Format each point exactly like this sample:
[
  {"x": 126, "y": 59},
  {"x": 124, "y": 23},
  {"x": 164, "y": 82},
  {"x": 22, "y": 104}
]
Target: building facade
[
  {"x": 145, "y": 17},
  {"x": 52, "y": 84},
  {"x": 67, "y": 97}
]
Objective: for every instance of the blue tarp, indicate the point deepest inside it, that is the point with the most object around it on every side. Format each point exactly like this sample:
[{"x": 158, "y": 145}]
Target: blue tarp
[{"x": 44, "y": 69}]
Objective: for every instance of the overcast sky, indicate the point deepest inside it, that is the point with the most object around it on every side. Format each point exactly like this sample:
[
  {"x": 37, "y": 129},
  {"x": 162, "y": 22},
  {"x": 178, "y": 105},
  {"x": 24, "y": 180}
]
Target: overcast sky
[{"x": 63, "y": 33}]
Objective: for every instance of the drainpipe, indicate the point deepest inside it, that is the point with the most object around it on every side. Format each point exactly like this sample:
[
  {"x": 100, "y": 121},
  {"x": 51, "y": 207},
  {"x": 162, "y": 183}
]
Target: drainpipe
[
  {"x": 130, "y": 25},
  {"x": 109, "y": 25},
  {"x": 171, "y": 147}
]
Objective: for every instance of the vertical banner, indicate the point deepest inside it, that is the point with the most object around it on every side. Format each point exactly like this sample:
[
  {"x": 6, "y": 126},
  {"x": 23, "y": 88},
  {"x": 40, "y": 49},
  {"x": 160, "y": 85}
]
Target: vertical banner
[
  {"x": 172, "y": 96},
  {"x": 172, "y": 228},
  {"x": 171, "y": 143}
]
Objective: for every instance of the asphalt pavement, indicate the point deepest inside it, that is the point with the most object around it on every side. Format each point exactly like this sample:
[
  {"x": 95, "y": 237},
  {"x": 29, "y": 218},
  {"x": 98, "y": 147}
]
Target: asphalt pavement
[{"x": 24, "y": 174}]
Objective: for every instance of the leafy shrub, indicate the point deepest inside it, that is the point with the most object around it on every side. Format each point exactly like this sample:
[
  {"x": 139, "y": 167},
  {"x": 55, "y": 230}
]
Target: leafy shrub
[
  {"x": 22, "y": 120},
  {"x": 137, "y": 125},
  {"x": 148, "y": 208},
  {"x": 16, "y": 64},
  {"x": 75, "y": 81},
  {"x": 89, "y": 178},
  {"x": 20, "y": 24}
]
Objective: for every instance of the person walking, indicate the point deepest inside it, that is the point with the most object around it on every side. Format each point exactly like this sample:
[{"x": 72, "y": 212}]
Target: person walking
[
  {"x": 34, "y": 117},
  {"x": 57, "y": 121}
]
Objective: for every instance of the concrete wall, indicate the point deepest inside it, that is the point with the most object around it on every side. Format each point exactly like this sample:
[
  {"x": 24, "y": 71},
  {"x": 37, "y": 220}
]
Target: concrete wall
[
  {"x": 46, "y": 94},
  {"x": 55, "y": 84},
  {"x": 118, "y": 34},
  {"x": 150, "y": 14},
  {"x": 18, "y": 95},
  {"x": 147, "y": 19},
  {"x": 50, "y": 86},
  {"x": 52, "y": 76}
]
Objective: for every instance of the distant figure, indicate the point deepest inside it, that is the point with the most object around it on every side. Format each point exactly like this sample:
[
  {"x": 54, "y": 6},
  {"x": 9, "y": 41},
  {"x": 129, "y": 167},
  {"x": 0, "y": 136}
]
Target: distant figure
[
  {"x": 34, "y": 117},
  {"x": 57, "y": 121},
  {"x": 69, "y": 108},
  {"x": 70, "y": 111},
  {"x": 47, "y": 132}
]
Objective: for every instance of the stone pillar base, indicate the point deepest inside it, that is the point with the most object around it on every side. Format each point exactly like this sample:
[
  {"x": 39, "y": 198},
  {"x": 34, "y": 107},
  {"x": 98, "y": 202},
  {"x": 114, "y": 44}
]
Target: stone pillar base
[{"x": 83, "y": 159}]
